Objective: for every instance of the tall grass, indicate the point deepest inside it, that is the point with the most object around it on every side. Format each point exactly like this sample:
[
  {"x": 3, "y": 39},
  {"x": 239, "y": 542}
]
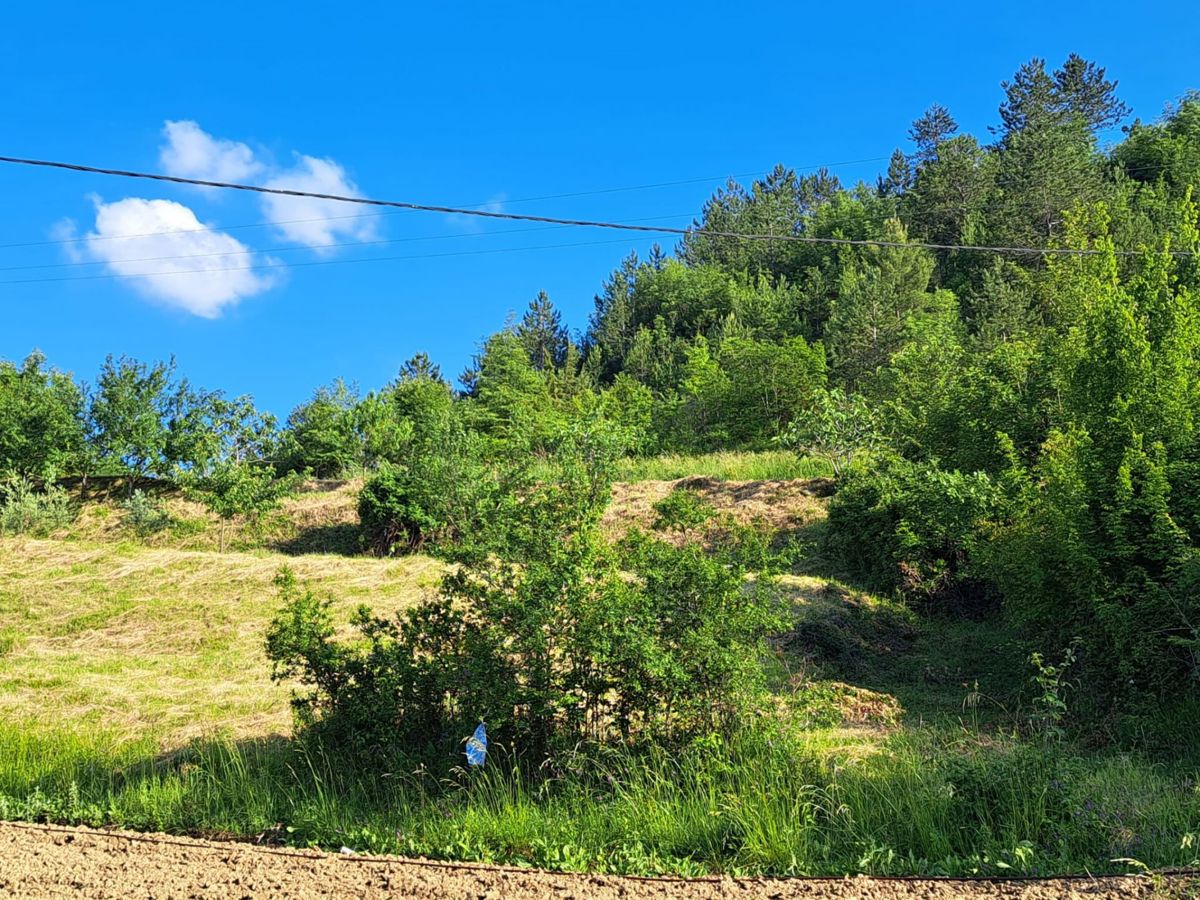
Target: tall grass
[
  {"x": 766, "y": 465},
  {"x": 758, "y": 803}
]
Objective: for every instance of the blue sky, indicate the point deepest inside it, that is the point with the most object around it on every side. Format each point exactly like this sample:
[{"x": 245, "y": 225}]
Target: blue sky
[{"x": 458, "y": 104}]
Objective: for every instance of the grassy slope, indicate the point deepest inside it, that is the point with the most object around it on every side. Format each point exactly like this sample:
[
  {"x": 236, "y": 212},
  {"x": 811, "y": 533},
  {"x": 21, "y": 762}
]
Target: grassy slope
[
  {"x": 169, "y": 642},
  {"x": 119, "y": 653}
]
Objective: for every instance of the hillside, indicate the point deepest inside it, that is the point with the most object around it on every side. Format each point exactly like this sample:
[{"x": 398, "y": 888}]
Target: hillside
[
  {"x": 134, "y": 690},
  {"x": 138, "y": 640},
  {"x": 163, "y": 635}
]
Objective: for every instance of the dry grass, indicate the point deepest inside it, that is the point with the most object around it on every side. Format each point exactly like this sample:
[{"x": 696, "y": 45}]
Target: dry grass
[
  {"x": 141, "y": 639},
  {"x": 316, "y": 519},
  {"x": 161, "y": 635},
  {"x": 775, "y": 505}
]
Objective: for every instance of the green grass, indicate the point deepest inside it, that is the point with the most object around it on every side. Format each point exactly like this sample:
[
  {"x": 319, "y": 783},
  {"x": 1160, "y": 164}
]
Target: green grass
[
  {"x": 800, "y": 803},
  {"x": 767, "y": 465}
]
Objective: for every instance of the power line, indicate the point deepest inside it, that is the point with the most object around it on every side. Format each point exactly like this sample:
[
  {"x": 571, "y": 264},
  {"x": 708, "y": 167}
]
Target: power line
[
  {"x": 294, "y": 247},
  {"x": 376, "y": 215},
  {"x": 315, "y": 262},
  {"x": 554, "y": 220},
  {"x": 506, "y": 200}
]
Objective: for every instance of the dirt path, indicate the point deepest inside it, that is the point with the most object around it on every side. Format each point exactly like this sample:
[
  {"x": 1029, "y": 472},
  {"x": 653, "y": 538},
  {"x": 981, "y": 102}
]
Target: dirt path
[{"x": 50, "y": 861}]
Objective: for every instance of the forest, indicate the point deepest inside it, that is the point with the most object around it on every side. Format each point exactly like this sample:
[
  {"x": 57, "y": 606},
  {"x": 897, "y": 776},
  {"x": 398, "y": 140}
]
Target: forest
[{"x": 989, "y": 358}]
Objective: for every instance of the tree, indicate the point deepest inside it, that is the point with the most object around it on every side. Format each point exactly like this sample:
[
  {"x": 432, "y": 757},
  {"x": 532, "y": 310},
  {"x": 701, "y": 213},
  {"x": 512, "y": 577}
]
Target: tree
[
  {"x": 543, "y": 334},
  {"x": 881, "y": 289},
  {"x": 1030, "y": 99},
  {"x": 778, "y": 204},
  {"x": 1081, "y": 91},
  {"x": 235, "y": 488},
  {"x": 613, "y": 322},
  {"x": 899, "y": 176},
  {"x": 837, "y": 427},
  {"x": 512, "y": 401},
  {"x": 323, "y": 434},
  {"x": 929, "y": 131},
  {"x": 1168, "y": 150},
  {"x": 41, "y": 421},
  {"x": 420, "y": 366},
  {"x": 128, "y": 416}
]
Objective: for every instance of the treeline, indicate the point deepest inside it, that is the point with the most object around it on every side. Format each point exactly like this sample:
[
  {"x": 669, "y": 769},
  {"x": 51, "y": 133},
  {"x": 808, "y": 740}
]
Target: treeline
[{"x": 1008, "y": 426}]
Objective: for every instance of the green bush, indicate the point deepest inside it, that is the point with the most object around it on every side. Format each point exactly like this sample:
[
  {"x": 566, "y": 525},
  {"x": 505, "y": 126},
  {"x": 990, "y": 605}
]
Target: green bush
[
  {"x": 910, "y": 527},
  {"x": 682, "y": 510},
  {"x": 143, "y": 514},
  {"x": 26, "y": 510},
  {"x": 541, "y": 631},
  {"x": 428, "y": 501},
  {"x": 1096, "y": 555}
]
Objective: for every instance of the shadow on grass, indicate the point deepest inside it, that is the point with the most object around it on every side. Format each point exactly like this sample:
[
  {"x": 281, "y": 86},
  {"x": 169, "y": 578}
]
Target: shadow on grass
[{"x": 342, "y": 539}]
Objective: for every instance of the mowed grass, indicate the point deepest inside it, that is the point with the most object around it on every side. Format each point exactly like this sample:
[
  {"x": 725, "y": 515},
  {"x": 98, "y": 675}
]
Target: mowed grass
[{"x": 140, "y": 640}]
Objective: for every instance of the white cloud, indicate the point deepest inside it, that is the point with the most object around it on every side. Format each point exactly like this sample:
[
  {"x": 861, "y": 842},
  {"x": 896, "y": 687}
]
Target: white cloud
[
  {"x": 168, "y": 255},
  {"x": 65, "y": 232},
  {"x": 317, "y": 223},
  {"x": 191, "y": 152}
]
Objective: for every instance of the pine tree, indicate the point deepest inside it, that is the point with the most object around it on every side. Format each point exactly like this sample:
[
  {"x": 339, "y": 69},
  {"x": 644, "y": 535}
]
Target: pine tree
[
  {"x": 1081, "y": 91},
  {"x": 543, "y": 334},
  {"x": 927, "y": 132},
  {"x": 1030, "y": 99},
  {"x": 420, "y": 367},
  {"x": 899, "y": 176}
]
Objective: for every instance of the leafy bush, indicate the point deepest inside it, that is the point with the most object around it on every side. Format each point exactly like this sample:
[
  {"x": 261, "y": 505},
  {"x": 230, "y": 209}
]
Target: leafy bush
[
  {"x": 26, "y": 510},
  {"x": 541, "y": 630},
  {"x": 838, "y": 427},
  {"x": 427, "y": 501},
  {"x": 682, "y": 510},
  {"x": 755, "y": 547},
  {"x": 143, "y": 514},
  {"x": 1096, "y": 554},
  {"x": 323, "y": 434},
  {"x": 911, "y": 527}
]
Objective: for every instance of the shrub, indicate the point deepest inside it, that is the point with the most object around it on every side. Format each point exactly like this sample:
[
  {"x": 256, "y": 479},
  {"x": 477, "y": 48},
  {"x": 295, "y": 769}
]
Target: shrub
[
  {"x": 911, "y": 527},
  {"x": 323, "y": 434},
  {"x": 541, "y": 630},
  {"x": 1097, "y": 555},
  {"x": 427, "y": 501},
  {"x": 143, "y": 514},
  {"x": 26, "y": 510},
  {"x": 682, "y": 510}
]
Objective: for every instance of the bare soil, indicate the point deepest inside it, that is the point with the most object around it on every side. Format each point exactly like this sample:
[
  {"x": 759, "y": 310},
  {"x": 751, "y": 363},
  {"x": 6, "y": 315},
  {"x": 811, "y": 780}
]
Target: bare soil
[{"x": 52, "y": 861}]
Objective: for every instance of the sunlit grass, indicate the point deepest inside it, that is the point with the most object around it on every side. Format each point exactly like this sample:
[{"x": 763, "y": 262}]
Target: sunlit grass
[
  {"x": 767, "y": 465},
  {"x": 759, "y": 803},
  {"x": 132, "y": 638}
]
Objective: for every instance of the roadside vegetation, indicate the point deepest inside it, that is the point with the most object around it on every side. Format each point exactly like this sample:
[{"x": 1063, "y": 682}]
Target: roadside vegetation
[{"x": 803, "y": 558}]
